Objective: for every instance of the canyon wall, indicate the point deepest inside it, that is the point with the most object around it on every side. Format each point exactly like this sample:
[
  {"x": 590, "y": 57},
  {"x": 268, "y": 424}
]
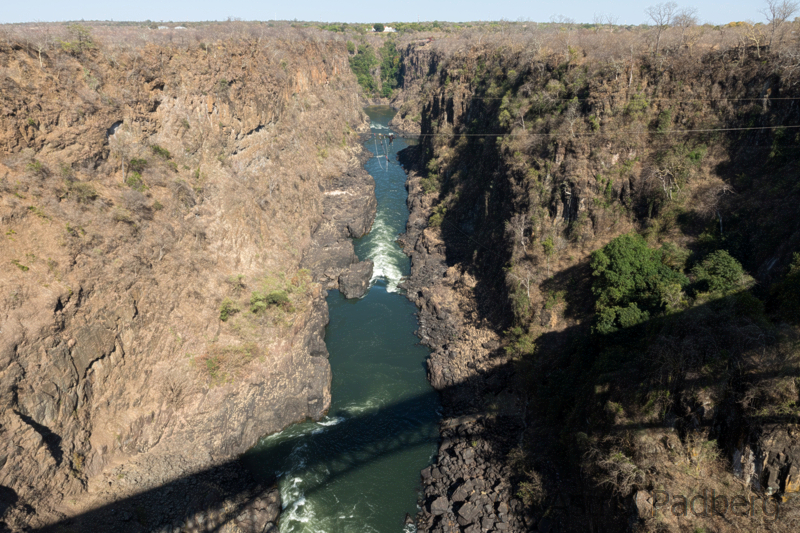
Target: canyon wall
[
  {"x": 530, "y": 161},
  {"x": 156, "y": 204}
]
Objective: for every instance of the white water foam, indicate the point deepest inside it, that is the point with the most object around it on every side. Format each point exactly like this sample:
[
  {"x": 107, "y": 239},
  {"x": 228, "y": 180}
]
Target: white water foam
[
  {"x": 331, "y": 421},
  {"x": 385, "y": 254}
]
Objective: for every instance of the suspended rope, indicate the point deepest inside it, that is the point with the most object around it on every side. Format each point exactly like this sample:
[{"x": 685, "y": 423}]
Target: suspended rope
[{"x": 377, "y": 154}]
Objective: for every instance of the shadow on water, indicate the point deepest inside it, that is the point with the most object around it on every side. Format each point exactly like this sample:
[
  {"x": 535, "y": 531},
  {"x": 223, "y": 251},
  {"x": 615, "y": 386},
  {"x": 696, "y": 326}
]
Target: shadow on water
[{"x": 205, "y": 491}]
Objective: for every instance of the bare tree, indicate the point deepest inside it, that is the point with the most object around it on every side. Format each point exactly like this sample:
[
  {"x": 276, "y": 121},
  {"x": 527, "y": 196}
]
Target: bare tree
[
  {"x": 662, "y": 16},
  {"x": 572, "y": 115},
  {"x": 611, "y": 20},
  {"x": 597, "y": 20},
  {"x": 525, "y": 276},
  {"x": 518, "y": 226},
  {"x": 601, "y": 19},
  {"x": 684, "y": 20},
  {"x": 122, "y": 143},
  {"x": 565, "y": 25},
  {"x": 755, "y": 34},
  {"x": 41, "y": 39},
  {"x": 777, "y": 12}
]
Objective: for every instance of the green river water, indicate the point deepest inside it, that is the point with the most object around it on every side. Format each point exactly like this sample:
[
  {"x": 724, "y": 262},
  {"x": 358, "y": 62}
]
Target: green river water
[{"x": 357, "y": 470}]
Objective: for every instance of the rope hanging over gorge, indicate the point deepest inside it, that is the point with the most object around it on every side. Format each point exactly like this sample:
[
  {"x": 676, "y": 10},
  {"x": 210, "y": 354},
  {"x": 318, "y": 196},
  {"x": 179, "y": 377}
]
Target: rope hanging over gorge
[{"x": 377, "y": 153}]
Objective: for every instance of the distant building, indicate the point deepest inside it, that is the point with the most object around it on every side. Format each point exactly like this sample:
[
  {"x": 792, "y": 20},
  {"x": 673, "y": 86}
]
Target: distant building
[
  {"x": 386, "y": 29},
  {"x": 179, "y": 28},
  {"x": 163, "y": 27}
]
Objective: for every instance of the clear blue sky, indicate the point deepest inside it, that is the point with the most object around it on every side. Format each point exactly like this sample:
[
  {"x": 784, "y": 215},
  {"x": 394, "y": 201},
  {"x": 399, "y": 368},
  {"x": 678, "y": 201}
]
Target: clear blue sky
[{"x": 630, "y": 12}]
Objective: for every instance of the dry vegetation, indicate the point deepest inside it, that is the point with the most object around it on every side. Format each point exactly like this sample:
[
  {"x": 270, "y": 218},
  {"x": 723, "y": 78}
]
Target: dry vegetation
[
  {"x": 541, "y": 145},
  {"x": 147, "y": 177}
]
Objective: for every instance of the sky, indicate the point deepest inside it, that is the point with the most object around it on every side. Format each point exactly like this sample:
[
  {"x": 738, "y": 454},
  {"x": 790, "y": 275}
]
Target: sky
[{"x": 627, "y": 12}]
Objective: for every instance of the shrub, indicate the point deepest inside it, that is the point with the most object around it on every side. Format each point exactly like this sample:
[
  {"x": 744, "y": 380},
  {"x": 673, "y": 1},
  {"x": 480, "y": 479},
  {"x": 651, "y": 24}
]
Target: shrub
[
  {"x": 718, "y": 272},
  {"x": 259, "y": 301},
  {"x": 137, "y": 165},
  {"x": 83, "y": 193},
  {"x": 223, "y": 363},
  {"x": 430, "y": 183},
  {"x": 37, "y": 167},
  {"x": 38, "y": 212},
  {"x": 637, "y": 106},
  {"x": 227, "y": 309},
  {"x": 438, "y": 216},
  {"x": 163, "y": 153},
  {"x": 135, "y": 182},
  {"x": 236, "y": 282},
  {"x": 121, "y": 215}
]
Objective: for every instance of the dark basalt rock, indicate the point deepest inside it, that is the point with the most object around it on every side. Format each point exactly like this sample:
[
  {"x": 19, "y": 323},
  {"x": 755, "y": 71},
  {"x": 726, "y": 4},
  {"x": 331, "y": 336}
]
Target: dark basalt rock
[
  {"x": 349, "y": 208},
  {"x": 354, "y": 282}
]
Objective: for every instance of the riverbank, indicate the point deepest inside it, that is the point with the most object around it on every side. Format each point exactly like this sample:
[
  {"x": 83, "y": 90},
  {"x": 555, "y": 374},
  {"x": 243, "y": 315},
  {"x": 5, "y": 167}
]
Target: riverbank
[{"x": 469, "y": 485}]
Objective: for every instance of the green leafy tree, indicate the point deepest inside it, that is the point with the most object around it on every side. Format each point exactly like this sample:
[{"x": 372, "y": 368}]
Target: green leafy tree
[
  {"x": 378, "y": 27},
  {"x": 632, "y": 282},
  {"x": 390, "y": 68},
  {"x": 719, "y": 272},
  {"x": 361, "y": 64},
  {"x": 81, "y": 39}
]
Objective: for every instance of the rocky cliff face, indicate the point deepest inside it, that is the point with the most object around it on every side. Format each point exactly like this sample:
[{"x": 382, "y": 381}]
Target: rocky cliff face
[
  {"x": 526, "y": 166},
  {"x": 156, "y": 206}
]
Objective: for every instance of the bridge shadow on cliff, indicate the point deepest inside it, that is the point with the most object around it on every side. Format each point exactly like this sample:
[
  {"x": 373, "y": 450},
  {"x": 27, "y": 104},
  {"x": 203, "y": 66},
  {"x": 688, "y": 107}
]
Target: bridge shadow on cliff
[{"x": 209, "y": 499}]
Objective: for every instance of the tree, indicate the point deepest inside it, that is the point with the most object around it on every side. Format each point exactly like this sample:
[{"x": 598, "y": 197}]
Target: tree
[
  {"x": 611, "y": 20},
  {"x": 662, "y": 16},
  {"x": 787, "y": 292},
  {"x": 378, "y": 27},
  {"x": 632, "y": 281},
  {"x": 719, "y": 272},
  {"x": 684, "y": 20},
  {"x": 82, "y": 39},
  {"x": 525, "y": 276},
  {"x": 361, "y": 64},
  {"x": 42, "y": 39},
  {"x": 777, "y": 12},
  {"x": 123, "y": 144},
  {"x": 755, "y": 34},
  {"x": 518, "y": 225},
  {"x": 572, "y": 115}
]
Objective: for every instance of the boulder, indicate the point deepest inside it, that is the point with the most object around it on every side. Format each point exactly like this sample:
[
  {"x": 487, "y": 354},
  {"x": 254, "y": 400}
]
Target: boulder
[
  {"x": 439, "y": 506},
  {"x": 354, "y": 282},
  {"x": 469, "y": 512}
]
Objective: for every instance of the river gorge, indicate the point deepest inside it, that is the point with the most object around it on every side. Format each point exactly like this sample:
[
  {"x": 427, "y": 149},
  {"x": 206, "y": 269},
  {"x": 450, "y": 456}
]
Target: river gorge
[
  {"x": 555, "y": 272},
  {"x": 358, "y": 468}
]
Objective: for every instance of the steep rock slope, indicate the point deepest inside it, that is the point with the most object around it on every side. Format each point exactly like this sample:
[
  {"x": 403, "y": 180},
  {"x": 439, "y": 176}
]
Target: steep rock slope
[
  {"x": 156, "y": 204},
  {"x": 527, "y": 165}
]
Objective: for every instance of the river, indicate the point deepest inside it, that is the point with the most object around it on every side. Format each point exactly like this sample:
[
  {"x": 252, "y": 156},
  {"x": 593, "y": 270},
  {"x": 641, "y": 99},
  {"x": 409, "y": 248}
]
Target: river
[{"x": 357, "y": 470}]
